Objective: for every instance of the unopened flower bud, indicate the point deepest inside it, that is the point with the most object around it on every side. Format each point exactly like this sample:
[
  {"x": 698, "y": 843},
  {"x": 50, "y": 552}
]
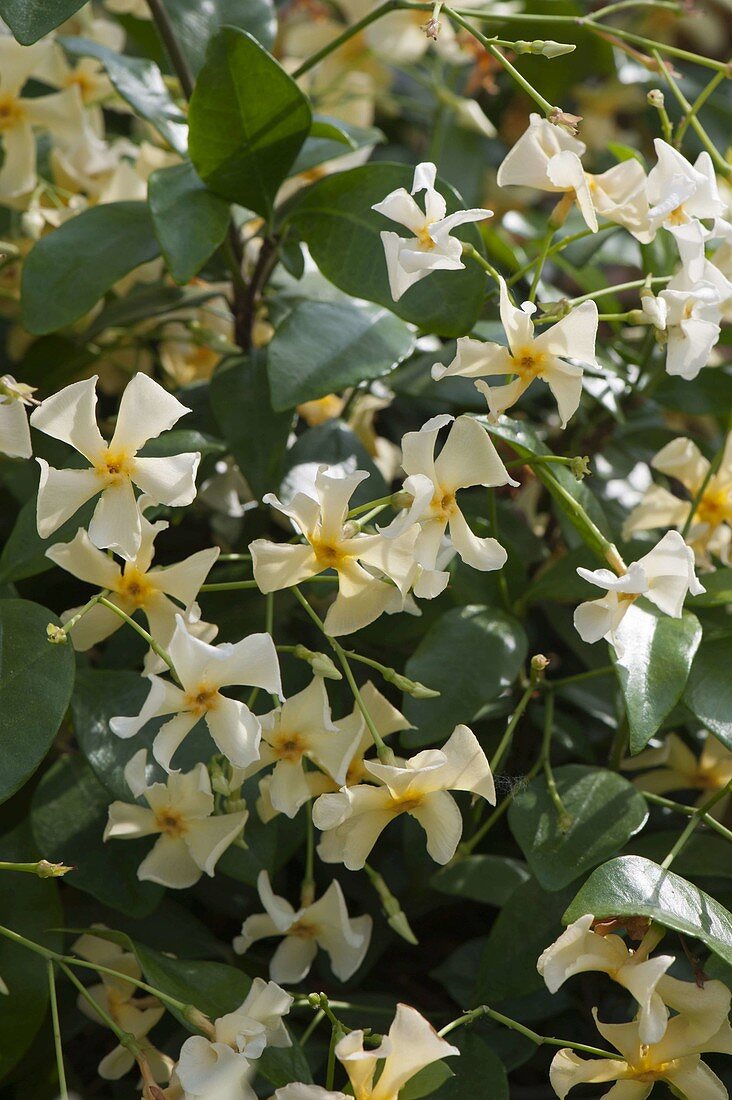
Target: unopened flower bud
[
  {"x": 580, "y": 467},
  {"x": 56, "y": 634},
  {"x": 402, "y": 499},
  {"x": 409, "y": 687},
  {"x": 199, "y": 1020},
  {"x": 398, "y": 921},
  {"x": 539, "y": 663},
  {"x": 32, "y": 223},
  {"x": 656, "y": 98},
  {"x": 320, "y": 663},
  {"x": 314, "y": 1000},
  {"x": 556, "y": 49}
]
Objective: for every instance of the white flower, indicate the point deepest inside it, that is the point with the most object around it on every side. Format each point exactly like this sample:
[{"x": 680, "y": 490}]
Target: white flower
[
  {"x": 529, "y": 357},
  {"x": 675, "y": 768},
  {"x": 203, "y": 670},
  {"x": 298, "y": 730},
  {"x": 353, "y": 819},
  {"x": 664, "y": 576},
  {"x": 298, "y": 1091},
  {"x": 430, "y": 248},
  {"x": 135, "y": 1015},
  {"x": 190, "y": 840},
  {"x": 133, "y": 586},
  {"x": 324, "y": 923},
  {"x": 360, "y": 560},
  {"x": 579, "y": 950},
  {"x": 15, "y": 439},
  {"x": 145, "y": 410},
  {"x": 219, "y": 1068},
  {"x": 680, "y": 192},
  {"x": 410, "y": 1045},
  {"x": 711, "y": 527},
  {"x": 468, "y": 458}
]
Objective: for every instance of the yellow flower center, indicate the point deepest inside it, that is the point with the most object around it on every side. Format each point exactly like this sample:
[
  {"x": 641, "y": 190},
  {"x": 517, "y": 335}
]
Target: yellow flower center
[
  {"x": 678, "y": 216},
  {"x": 304, "y": 930},
  {"x": 171, "y": 822},
  {"x": 328, "y": 555},
  {"x": 443, "y": 504},
  {"x": 715, "y": 506},
  {"x": 114, "y": 467},
  {"x": 528, "y": 363},
  {"x": 423, "y": 235},
  {"x": 289, "y": 746},
  {"x": 406, "y": 803},
  {"x": 201, "y": 699},
  {"x": 356, "y": 771},
  {"x": 86, "y": 84},
  {"x": 11, "y": 112},
  {"x": 134, "y": 586}
]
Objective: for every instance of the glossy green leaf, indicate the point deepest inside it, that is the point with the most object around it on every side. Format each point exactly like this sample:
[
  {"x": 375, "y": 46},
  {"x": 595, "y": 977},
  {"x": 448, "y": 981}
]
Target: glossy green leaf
[
  {"x": 36, "y": 679},
  {"x": 332, "y": 444},
  {"x": 24, "y": 552},
  {"x": 657, "y": 655},
  {"x": 144, "y": 302},
  {"x": 30, "y": 20},
  {"x": 604, "y": 810},
  {"x": 484, "y": 878},
  {"x": 248, "y": 120},
  {"x": 30, "y": 906},
  {"x": 68, "y": 271},
  {"x": 330, "y": 138},
  {"x": 196, "y": 21},
  {"x": 257, "y": 435},
  {"x": 324, "y": 347},
  {"x": 705, "y": 855},
  {"x": 634, "y": 886},
  {"x": 470, "y": 655},
  {"x": 477, "y": 1064},
  {"x": 140, "y": 83},
  {"x": 708, "y": 693},
  {"x": 190, "y": 221},
  {"x": 335, "y": 219},
  {"x": 426, "y": 1082},
  {"x": 68, "y": 816},
  {"x": 718, "y": 592}
]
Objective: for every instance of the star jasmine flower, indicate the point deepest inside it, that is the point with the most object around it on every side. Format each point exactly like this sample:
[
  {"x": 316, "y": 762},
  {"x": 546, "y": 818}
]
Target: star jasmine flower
[
  {"x": 190, "y": 840},
  {"x": 324, "y": 923},
  {"x": 145, "y": 411},
  {"x": 15, "y": 439},
  {"x": 430, "y": 248},
  {"x": 136, "y": 585},
  {"x": 680, "y": 192},
  {"x": 203, "y": 670},
  {"x": 468, "y": 458},
  {"x": 529, "y": 357},
  {"x": 664, "y": 576},
  {"x": 359, "y": 559},
  {"x": 353, "y": 819}
]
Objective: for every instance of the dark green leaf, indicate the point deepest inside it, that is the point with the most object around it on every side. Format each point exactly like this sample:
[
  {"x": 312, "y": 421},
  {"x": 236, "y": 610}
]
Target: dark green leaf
[
  {"x": 195, "y": 21},
  {"x": 426, "y": 1082},
  {"x": 145, "y": 302},
  {"x": 68, "y": 271},
  {"x": 30, "y": 906},
  {"x": 140, "y": 83},
  {"x": 488, "y": 879},
  {"x": 703, "y": 856},
  {"x": 708, "y": 693},
  {"x": 333, "y": 444},
  {"x": 257, "y": 435},
  {"x": 190, "y": 221},
  {"x": 633, "y": 886},
  {"x": 718, "y": 592},
  {"x": 248, "y": 120},
  {"x": 324, "y": 347},
  {"x": 604, "y": 810},
  {"x": 36, "y": 679},
  {"x": 478, "y": 1066},
  {"x": 68, "y": 815},
  {"x": 24, "y": 553},
  {"x": 29, "y": 20},
  {"x": 470, "y": 655},
  {"x": 335, "y": 219}
]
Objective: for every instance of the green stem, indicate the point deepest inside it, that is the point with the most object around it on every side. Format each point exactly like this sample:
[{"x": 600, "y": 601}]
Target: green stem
[
  {"x": 541, "y": 261},
  {"x": 157, "y": 649},
  {"x": 514, "y": 1025},
  {"x": 43, "y": 869},
  {"x": 704, "y": 138},
  {"x": 472, "y": 253},
  {"x": 695, "y": 820},
  {"x": 558, "y": 246},
  {"x": 347, "y": 34},
  {"x": 395, "y": 915},
  {"x": 58, "y": 1047},
  {"x": 698, "y": 495},
  {"x": 663, "y": 47},
  {"x": 688, "y": 811},
  {"x": 238, "y": 586},
  {"x": 317, "y": 1019},
  {"x": 125, "y": 1038},
  {"x": 696, "y": 107},
  {"x": 579, "y": 677},
  {"x": 501, "y": 580},
  {"x": 307, "y": 888},
  {"x": 623, "y": 5},
  {"x": 565, "y": 818},
  {"x": 180, "y": 62},
  {"x": 372, "y": 504},
  {"x": 71, "y": 623},
  {"x": 618, "y": 287},
  {"x": 505, "y": 741}
]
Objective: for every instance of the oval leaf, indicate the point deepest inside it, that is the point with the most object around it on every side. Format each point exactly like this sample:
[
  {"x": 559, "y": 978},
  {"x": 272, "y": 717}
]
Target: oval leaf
[
  {"x": 194, "y": 21},
  {"x": 29, "y": 20},
  {"x": 708, "y": 693},
  {"x": 190, "y": 221}
]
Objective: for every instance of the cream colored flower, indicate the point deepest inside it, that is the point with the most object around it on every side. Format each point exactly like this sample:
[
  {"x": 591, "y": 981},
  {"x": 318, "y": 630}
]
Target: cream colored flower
[
  {"x": 579, "y": 950},
  {"x": 135, "y": 1014},
  {"x": 145, "y": 411},
  {"x": 710, "y": 533},
  {"x": 190, "y": 840},
  {"x": 203, "y": 670},
  {"x": 468, "y": 458},
  {"x": 664, "y": 576},
  {"x": 674, "y": 767},
  {"x": 136, "y": 585},
  {"x": 430, "y": 248},
  {"x": 680, "y": 192},
  {"x": 364, "y": 563},
  {"x": 353, "y": 819},
  {"x": 324, "y": 923},
  {"x": 15, "y": 439},
  {"x": 529, "y": 357}
]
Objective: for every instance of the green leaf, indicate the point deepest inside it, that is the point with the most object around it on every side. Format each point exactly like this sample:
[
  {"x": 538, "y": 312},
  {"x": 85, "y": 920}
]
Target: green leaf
[
  {"x": 704, "y": 855},
  {"x": 335, "y": 219},
  {"x": 256, "y": 434},
  {"x": 330, "y": 138},
  {"x": 190, "y": 221},
  {"x": 470, "y": 655},
  {"x": 30, "y": 907},
  {"x": 29, "y": 20},
  {"x": 487, "y": 879},
  {"x": 145, "y": 302},
  {"x": 333, "y": 444},
  {"x": 426, "y": 1082},
  {"x": 36, "y": 679},
  {"x": 708, "y": 693},
  {"x": 24, "y": 552},
  {"x": 67, "y": 272},
  {"x": 324, "y": 347},
  {"x": 68, "y": 815},
  {"x": 248, "y": 120},
  {"x": 477, "y": 1064},
  {"x": 605, "y": 811},
  {"x": 718, "y": 592},
  {"x": 658, "y": 653},
  {"x": 140, "y": 83},
  {"x": 195, "y": 21},
  {"x": 634, "y": 886}
]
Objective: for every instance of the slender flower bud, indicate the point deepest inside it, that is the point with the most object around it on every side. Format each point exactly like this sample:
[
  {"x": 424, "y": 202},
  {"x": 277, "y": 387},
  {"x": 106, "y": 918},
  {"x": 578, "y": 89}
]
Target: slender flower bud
[
  {"x": 320, "y": 663},
  {"x": 656, "y": 98},
  {"x": 409, "y": 687}
]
